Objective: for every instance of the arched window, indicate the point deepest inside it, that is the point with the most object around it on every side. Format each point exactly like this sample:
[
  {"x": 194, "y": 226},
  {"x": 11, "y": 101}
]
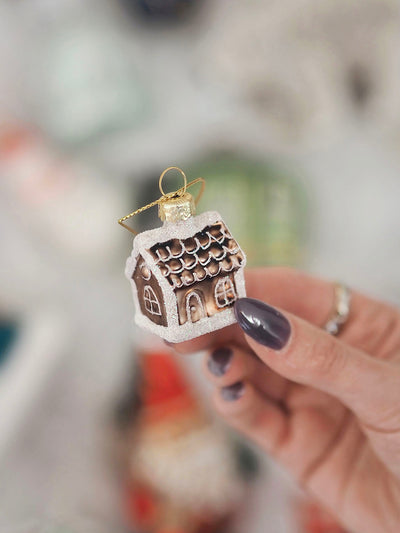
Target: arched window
[
  {"x": 151, "y": 301},
  {"x": 224, "y": 292}
]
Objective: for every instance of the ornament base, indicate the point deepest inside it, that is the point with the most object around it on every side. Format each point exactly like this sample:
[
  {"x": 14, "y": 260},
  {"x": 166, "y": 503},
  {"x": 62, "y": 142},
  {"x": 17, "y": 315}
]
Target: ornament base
[{"x": 189, "y": 330}]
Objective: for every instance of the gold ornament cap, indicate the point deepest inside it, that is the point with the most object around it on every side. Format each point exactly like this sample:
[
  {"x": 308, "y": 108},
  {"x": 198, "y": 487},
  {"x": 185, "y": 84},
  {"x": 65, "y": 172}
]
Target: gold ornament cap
[
  {"x": 177, "y": 208},
  {"x": 173, "y": 206}
]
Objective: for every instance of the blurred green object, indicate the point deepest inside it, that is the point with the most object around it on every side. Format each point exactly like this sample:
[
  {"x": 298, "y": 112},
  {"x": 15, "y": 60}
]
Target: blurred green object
[
  {"x": 162, "y": 10},
  {"x": 248, "y": 462},
  {"x": 264, "y": 207},
  {"x": 89, "y": 84},
  {"x": 8, "y": 335}
]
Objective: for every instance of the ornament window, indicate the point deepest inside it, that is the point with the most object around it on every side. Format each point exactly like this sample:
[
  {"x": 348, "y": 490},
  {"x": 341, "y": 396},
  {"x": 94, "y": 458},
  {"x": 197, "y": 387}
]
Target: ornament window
[
  {"x": 151, "y": 302},
  {"x": 145, "y": 271},
  {"x": 224, "y": 292}
]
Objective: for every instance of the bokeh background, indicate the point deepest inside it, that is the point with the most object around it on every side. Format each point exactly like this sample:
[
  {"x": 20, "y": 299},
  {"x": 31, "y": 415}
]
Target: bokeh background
[{"x": 290, "y": 110}]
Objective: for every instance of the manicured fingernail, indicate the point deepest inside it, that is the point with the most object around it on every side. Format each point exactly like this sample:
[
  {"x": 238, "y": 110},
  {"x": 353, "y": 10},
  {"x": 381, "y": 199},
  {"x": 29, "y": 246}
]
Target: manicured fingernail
[
  {"x": 219, "y": 361},
  {"x": 233, "y": 392},
  {"x": 263, "y": 323}
]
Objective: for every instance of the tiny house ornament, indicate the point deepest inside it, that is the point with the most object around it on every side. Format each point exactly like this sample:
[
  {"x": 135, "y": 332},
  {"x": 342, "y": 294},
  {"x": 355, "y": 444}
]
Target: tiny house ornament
[{"x": 187, "y": 274}]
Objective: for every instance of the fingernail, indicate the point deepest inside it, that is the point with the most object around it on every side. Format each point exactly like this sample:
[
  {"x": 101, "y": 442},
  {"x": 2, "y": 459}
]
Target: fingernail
[
  {"x": 219, "y": 361},
  {"x": 233, "y": 392},
  {"x": 263, "y": 323}
]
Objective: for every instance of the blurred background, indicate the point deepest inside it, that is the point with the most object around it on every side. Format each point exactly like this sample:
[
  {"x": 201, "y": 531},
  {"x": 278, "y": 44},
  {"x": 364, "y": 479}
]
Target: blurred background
[{"x": 290, "y": 110}]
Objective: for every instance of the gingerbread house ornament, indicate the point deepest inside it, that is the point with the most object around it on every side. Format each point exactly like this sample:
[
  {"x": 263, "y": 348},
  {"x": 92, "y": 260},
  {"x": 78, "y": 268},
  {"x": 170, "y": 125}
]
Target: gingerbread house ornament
[{"x": 187, "y": 274}]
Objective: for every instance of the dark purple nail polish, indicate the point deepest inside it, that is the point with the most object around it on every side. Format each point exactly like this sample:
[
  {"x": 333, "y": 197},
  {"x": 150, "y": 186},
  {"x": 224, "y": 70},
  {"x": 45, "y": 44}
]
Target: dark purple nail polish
[
  {"x": 263, "y": 323},
  {"x": 233, "y": 392},
  {"x": 219, "y": 361}
]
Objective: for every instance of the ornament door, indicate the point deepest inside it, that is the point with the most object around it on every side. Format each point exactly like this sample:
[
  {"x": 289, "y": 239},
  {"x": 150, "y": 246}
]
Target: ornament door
[{"x": 194, "y": 307}]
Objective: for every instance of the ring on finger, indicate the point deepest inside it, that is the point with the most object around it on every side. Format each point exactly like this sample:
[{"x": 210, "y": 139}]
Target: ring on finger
[{"x": 341, "y": 309}]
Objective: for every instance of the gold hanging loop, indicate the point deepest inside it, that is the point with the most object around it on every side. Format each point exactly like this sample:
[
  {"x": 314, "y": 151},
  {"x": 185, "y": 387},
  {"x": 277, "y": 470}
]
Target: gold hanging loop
[
  {"x": 176, "y": 193},
  {"x": 166, "y": 196}
]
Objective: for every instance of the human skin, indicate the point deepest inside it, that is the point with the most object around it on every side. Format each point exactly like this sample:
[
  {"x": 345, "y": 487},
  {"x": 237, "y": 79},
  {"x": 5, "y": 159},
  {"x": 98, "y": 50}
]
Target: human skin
[{"x": 327, "y": 408}]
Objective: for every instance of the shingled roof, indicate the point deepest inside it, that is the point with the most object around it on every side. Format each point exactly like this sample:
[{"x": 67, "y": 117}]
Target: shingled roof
[{"x": 208, "y": 253}]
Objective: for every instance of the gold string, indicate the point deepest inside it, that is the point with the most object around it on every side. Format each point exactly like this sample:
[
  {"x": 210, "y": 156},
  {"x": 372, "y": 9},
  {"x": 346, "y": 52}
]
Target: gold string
[{"x": 165, "y": 196}]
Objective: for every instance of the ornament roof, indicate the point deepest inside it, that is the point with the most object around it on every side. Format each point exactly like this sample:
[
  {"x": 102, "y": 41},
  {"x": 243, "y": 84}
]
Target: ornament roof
[
  {"x": 206, "y": 254},
  {"x": 229, "y": 255}
]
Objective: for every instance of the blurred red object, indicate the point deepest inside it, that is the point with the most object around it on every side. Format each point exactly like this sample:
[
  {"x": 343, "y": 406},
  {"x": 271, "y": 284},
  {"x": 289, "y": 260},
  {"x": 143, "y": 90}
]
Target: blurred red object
[
  {"x": 140, "y": 505},
  {"x": 182, "y": 474},
  {"x": 12, "y": 138},
  {"x": 314, "y": 519},
  {"x": 165, "y": 391}
]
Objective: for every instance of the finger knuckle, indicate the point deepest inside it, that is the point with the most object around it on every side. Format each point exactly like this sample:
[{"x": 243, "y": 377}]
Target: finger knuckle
[
  {"x": 316, "y": 360},
  {"x": 377, "y": 330}
]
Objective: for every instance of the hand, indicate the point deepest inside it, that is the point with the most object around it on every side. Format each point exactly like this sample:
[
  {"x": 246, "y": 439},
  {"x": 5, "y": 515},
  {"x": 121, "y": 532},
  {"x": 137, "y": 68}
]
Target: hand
[{"x": 327, "y": 408}]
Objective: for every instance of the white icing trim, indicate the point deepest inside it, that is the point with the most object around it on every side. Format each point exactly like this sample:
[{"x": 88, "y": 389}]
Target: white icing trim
[
  {"x": 240, "y": 283},
  {"x": 219, "y": 257},
  {"x": 231, "y": 252},
  {"x": 207, "y": 244},
  {"x": 213, "y": 275},
  {"x": 192, "y": 265},
  {"x": 206, "y": 261},
  {"x": 195, "y": 250},
  {"x": 188, "y": 330}
]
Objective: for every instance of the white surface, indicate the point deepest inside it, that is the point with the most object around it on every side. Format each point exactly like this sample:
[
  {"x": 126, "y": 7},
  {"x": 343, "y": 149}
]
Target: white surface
[
  {"x": 31, "y": 363},
  {"x": 60, "y": 468}
]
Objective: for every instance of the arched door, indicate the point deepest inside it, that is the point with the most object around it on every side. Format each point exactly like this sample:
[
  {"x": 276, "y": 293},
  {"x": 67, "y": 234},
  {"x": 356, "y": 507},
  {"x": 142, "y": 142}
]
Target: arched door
[{"x": 194, "y": 307}]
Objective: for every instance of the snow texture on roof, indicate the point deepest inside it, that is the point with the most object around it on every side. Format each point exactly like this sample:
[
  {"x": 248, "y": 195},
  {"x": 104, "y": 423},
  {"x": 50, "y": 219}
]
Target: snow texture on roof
[{"x": 208, "y": 253}]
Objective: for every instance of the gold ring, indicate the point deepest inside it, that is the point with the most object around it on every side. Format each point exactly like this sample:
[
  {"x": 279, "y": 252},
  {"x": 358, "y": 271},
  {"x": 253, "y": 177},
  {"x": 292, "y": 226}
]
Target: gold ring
[{"x": 341, "y": 309}]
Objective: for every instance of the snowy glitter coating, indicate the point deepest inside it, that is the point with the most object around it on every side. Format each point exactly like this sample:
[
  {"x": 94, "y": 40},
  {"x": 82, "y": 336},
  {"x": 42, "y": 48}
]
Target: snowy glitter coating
[{"x": 195, "y": 270}]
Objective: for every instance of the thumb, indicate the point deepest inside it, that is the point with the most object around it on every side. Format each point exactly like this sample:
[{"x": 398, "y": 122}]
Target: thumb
[{"x": 305, "y": 354}]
